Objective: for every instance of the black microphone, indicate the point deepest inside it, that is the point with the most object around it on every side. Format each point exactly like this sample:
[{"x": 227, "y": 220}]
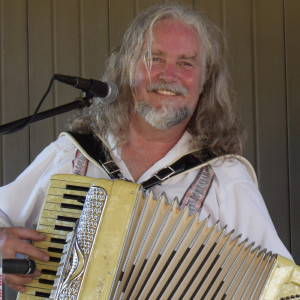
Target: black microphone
[
  {"x": 18, "y": 266},
  {"x": 104, "y": 92}
]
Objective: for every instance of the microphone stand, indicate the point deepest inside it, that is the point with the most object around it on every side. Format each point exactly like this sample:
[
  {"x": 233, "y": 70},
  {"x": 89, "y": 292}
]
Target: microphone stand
[{"x": 15, "y": 125}]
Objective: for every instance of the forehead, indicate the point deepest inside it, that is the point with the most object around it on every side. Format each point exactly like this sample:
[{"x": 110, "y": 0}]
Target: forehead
[{"x": 175, "y": 36}]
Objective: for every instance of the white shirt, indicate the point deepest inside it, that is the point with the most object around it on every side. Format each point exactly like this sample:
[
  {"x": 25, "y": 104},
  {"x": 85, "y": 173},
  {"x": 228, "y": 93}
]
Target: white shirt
[{"x": 233, "y": 198}]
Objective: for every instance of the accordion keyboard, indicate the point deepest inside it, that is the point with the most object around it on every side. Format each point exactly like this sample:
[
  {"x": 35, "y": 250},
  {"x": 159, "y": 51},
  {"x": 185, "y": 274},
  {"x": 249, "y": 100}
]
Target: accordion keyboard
[{"x": 62, "y": 208}]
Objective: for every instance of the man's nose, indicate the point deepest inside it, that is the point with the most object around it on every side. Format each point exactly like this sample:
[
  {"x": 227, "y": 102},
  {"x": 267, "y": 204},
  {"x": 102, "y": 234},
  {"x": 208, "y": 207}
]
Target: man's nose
[{"x": 169, "y": 73}]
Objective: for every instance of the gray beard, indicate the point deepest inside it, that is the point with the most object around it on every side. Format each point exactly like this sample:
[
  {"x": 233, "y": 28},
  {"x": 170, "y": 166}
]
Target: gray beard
[{"x": 163, "y": 118}]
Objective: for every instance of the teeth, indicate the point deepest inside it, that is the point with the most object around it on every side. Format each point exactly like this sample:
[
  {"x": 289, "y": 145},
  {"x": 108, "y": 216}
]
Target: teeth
[{"x": 169, "y": 93}]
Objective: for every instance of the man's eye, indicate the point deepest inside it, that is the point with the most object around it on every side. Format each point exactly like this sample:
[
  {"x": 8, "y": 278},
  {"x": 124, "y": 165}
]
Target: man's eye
[
  {"x": 156, "y": 59},
  {"x": 185, "y": 64}
]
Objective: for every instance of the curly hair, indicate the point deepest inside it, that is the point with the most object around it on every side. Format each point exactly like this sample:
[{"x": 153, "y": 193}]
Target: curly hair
[{"x": 214, "y": 125}]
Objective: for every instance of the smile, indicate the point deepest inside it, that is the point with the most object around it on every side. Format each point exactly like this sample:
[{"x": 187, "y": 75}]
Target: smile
[
  {"x": 168, "y": 89},
  {"x": 164, "y": 92}
]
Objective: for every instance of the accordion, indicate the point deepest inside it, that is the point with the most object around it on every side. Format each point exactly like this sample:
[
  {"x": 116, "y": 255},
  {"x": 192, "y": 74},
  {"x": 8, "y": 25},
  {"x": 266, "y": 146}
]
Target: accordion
[{"x": 111, "y": 240}]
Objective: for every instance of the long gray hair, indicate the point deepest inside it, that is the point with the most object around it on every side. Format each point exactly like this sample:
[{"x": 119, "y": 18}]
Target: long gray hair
[{"x": 214, "y": 125}]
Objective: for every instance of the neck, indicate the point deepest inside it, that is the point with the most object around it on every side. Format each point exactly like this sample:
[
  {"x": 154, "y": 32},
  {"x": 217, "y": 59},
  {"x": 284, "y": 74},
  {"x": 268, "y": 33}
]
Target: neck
[{"x": 146, "y": 145}]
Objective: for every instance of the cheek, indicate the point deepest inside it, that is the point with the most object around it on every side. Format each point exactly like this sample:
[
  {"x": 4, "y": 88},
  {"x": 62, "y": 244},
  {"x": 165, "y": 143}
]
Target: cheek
[
  {"x": 192, "y": 82},
  {"x": 156, "y": 70}
]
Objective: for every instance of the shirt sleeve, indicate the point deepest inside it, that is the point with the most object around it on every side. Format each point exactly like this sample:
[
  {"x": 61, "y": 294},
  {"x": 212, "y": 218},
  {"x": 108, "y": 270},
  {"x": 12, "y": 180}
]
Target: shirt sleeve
[
  {"x": 22, "y": 199},
  {"x": 242, "y": 208}
]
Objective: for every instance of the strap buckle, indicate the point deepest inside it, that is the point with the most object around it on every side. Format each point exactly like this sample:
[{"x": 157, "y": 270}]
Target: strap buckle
[
  {"x": 110, "y": 167},
  {"x": 165, "y": 173}
]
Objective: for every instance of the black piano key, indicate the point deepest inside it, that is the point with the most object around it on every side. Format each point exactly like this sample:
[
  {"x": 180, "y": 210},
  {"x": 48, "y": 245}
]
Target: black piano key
[
  {"x": 66, "y": 219},
  {"x": 78, "y": 198},
  {"x": 48, "y": 272},
  {"x": 77, "y": 188},
  {"x": 63, "y": 228},
  {"x": 46, "y": 281},
  {"x": 56, "y": 250},
  {"x": 43, "y": 295},
  {"x": 58, "y": 241},
  {"x": 54, "y": 259},
  {"x": 71, "y": 206}
]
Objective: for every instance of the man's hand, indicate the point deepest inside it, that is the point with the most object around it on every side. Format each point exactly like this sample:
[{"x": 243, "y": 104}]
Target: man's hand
[{"x": 13, "y": 242}]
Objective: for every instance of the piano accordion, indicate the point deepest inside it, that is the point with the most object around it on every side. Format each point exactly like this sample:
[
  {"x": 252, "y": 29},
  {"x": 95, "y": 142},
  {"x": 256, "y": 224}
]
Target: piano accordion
[{"x": 109, "y": 240}]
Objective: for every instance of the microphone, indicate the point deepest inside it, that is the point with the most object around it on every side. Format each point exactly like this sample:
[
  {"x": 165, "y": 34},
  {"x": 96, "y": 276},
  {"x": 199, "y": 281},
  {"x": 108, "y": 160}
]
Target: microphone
[
  {"x": 18, "y": 266},
  {"x": 104, "y": 92}
]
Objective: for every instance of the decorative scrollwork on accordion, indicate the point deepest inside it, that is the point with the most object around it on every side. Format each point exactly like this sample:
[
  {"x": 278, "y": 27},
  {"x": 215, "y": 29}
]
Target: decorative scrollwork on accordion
[{"x": 81, "y": 242}]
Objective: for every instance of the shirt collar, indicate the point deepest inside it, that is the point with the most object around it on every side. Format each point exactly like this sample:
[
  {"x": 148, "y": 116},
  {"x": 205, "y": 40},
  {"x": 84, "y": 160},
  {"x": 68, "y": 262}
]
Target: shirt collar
[{"x": 180, "y": 148}]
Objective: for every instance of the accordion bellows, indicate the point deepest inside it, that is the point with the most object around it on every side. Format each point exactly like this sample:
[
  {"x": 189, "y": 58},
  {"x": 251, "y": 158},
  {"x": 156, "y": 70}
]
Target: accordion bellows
[{"x": 114, "y": 242}]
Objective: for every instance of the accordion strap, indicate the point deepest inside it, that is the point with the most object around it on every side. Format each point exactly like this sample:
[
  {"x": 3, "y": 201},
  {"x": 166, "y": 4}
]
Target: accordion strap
[
  {"x": 95, "y": 149},
  {"x": 80, "y": 164},
  {"x": 185, "y": 163}
]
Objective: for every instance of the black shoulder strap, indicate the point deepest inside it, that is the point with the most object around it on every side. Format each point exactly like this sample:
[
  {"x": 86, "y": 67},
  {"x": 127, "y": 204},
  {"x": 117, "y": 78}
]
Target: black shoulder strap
[
  {"x": 186, "y": 162},
  {"x": 97, "y": 150}
]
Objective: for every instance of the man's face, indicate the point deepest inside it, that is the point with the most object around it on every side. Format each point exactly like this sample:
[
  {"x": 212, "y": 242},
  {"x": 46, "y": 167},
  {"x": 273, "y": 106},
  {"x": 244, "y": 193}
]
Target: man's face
[{"x": 171, "y": 88}]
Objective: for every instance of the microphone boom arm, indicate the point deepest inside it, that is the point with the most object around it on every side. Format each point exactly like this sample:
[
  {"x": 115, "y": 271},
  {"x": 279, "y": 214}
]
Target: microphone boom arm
[{"x": 14, "y": 126}]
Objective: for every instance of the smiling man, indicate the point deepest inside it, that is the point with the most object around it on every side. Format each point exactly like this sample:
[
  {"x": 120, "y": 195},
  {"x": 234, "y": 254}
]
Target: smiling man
[
  {"x": 173, "y": 114},
  {"x": 168, "y": 77},
  {"x": 167, "y": 87}
]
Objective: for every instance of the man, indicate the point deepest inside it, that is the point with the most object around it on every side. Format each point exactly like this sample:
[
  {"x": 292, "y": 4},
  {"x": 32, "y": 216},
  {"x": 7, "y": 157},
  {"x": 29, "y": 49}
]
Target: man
[{"x": 174, "y": 98}]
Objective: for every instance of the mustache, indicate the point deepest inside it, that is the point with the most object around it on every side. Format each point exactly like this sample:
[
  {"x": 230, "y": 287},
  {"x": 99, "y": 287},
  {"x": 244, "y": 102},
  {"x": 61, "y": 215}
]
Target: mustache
[{"x": 170, "y": 87}]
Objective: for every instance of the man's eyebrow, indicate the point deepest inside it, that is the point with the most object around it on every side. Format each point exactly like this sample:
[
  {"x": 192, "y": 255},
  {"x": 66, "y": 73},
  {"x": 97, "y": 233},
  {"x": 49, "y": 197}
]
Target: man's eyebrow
[
  {"x": 157, "y": 52},
  {"x": 194, "y": 57}
]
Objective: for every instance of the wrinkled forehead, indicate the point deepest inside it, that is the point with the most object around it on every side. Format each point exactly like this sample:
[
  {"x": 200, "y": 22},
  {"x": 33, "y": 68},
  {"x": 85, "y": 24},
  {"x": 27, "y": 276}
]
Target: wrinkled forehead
[
  {"x": 170, "y": 19},
  {"x": 171, "y": 30}
]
